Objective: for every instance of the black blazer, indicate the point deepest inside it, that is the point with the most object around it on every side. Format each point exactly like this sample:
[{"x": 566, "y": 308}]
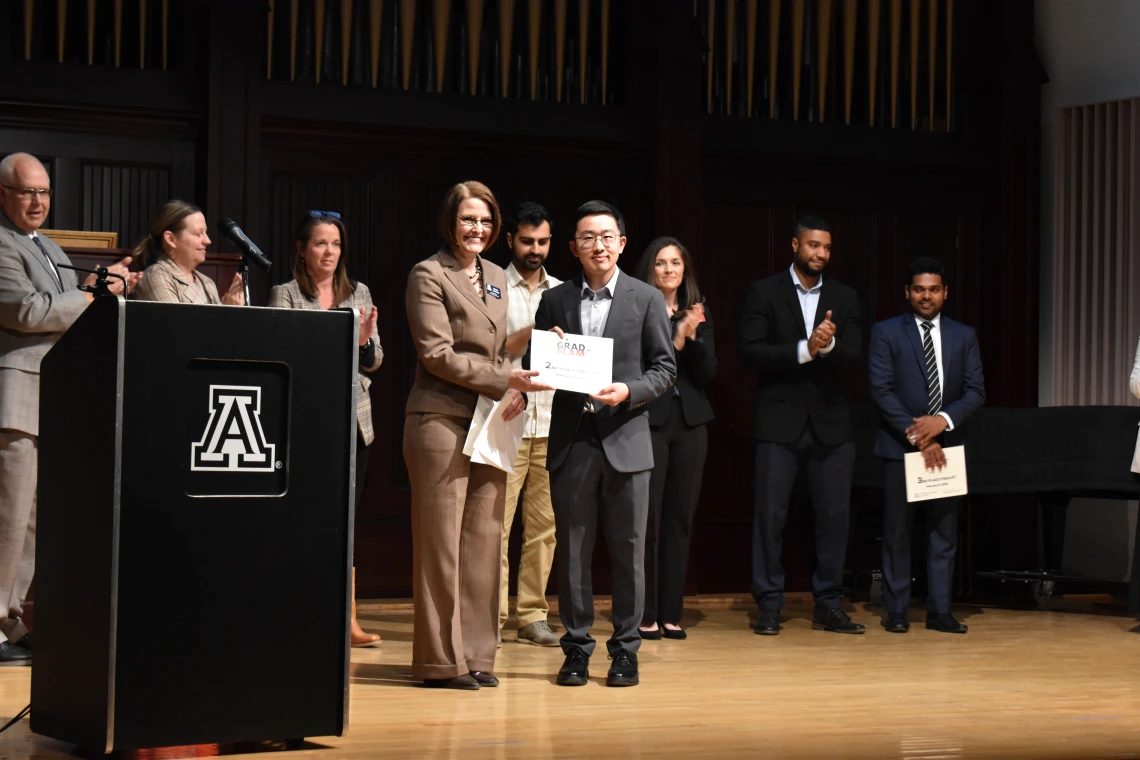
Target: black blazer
[
  {"x": 790, "y": 393},
  {"x": 643, "y": 360},
  {"x": 696, "y": 365}
]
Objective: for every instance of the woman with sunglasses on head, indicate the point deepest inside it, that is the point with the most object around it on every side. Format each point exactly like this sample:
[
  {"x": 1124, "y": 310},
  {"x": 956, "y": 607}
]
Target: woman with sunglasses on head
[
  {"x": 175, "y": 247},
  {"x": 678, "y": 425},
  {"x": 457, "y": 313},
  {"x": 320, "y": 281}
]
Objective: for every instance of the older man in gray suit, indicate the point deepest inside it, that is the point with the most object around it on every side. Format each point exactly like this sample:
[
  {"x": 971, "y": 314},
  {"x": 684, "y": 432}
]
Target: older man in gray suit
[
  {"x": 599, "y": 452},
  {"x": 38, "y": 302}
]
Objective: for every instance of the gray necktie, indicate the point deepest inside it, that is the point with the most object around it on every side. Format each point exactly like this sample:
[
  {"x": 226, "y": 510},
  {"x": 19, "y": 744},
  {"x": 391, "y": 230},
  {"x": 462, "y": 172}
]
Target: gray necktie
[{"x": 40, "y": 245}]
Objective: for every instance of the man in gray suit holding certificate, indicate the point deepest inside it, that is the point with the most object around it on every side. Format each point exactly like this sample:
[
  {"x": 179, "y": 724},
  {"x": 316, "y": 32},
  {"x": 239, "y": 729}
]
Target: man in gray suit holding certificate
[
  {"x": 38, "y": 302},
  {"x": 600, "y": 453}
]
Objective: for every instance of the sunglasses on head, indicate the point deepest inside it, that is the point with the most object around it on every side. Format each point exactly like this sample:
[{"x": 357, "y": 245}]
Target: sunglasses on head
[{"x": 323, "y": 214}]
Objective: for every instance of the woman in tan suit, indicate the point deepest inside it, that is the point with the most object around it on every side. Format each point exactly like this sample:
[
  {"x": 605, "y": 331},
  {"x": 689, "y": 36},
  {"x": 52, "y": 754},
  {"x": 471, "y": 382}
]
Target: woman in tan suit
[
  {"x": 457, "y": 312},
  {"x": 174, "y": 248},
  {"x": 320, "y": 281}
]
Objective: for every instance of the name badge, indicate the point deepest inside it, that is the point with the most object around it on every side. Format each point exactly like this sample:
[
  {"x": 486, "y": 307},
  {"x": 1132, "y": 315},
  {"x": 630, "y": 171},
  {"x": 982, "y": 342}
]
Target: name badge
[{"x": 494, "y": 291}]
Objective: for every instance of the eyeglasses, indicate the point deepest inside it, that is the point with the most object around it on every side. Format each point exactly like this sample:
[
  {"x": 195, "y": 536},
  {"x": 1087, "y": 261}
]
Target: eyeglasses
[
  {"x": 324, "y": 214},
  {"x": 589, "y": 241},
  {"x": 470, "y": 222},
  {"x": 27, "y": 193}
]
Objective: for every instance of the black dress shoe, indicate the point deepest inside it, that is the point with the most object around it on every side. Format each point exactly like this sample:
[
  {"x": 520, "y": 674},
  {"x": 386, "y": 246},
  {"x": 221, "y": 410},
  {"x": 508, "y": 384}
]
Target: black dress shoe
[
  {"x": 25, "y": 642},
  {"x": 650, "y": 635},
  {"x": 768, "y": 624},
  {"x": 673, "y": 633},
  {"x": 944, "y": 622},
  {"x": 896, "y": 622},
  {"x": 623, "y": 671},
  {"x": 484, "y": 679},
  {"x": 463, "y": 683},
  {"x": 834, "y": 619},
  {"x": 575, "y": 668},
  {"x": 11, "y": 654}
]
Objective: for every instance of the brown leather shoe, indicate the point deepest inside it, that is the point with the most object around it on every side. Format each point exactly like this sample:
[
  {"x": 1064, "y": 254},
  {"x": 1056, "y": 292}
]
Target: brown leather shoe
[
  {"x": 484, "y": 679},
  {"x": 463, "y": 683}
]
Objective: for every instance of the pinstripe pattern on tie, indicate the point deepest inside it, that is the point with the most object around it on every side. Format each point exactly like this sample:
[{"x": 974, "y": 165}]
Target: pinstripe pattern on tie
[{"x": 933, "y": 389}]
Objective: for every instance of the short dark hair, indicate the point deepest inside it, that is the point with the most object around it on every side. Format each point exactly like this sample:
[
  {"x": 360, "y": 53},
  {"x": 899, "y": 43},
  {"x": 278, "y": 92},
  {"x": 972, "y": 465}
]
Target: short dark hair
[
  {"x": 689, "y": 293},
  {"x": 597, "y": 208},
  {"x": 810, "y": 222},
  {"x": 529, "y": 214},
  {"x": 925, "y": 265}
]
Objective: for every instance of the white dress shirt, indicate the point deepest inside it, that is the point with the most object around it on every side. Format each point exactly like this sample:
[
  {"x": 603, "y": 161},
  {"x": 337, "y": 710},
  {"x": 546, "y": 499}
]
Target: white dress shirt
[
  {"x": 595, "y": 311},
  {"x": 936, "y": 338},
  {"x": 522, "y": 304},
  {"x": 809, "y": 301}
]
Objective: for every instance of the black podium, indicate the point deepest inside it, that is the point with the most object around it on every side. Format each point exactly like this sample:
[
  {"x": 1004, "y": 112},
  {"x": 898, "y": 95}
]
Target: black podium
[{"x": 195, "y": 512}]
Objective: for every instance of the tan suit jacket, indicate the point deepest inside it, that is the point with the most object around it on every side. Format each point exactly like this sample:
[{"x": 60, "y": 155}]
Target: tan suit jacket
[
  {"x": 164, "y": 282},
  {"x": 460, "y": 339},
  {"x": 289, "y": 296},
  {"x": 36, "y": 307}
]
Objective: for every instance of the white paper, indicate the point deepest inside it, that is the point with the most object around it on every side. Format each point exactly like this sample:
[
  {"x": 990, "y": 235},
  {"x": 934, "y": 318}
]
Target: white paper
[
  {"x": 923, "y": 484},
  {"x": 575, "y": 363},
  {"x": 490, "y": 439}
]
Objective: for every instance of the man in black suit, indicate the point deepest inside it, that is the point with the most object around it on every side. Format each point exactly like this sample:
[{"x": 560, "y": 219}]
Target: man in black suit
[
  {"x": 926, "y": 380},
  {"x": 600, "y": 453},
  {"x": 798, "y": 329}
]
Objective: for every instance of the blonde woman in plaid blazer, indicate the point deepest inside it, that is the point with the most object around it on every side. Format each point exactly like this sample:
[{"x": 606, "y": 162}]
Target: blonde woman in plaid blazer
[{"x": 320, "y": 281}]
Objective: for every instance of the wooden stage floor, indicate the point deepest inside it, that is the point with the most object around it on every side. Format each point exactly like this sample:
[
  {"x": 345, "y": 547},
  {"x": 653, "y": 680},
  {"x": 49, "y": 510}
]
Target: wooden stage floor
[{"x": 1020, "y": 685}]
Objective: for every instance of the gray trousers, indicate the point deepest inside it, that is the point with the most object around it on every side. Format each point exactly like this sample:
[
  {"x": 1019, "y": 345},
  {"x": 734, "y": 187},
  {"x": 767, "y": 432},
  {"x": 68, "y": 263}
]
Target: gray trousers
[
  {"x": 584, "y": 487},
  {"x": 18, "y": 460}
]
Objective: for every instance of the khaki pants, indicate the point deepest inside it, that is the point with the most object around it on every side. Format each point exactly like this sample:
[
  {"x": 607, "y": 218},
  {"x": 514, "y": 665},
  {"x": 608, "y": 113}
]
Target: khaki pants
[{"x": 538, "y": 534}]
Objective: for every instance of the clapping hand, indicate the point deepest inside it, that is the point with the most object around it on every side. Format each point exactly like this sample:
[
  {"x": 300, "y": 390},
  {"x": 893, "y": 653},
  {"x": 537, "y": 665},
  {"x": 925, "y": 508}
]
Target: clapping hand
[
  {"x": 114, "y": 284},
  {"x": 822, "y": 336},
  {"x": 367, "y": 324},
  {"x": 235, "y": 296}
]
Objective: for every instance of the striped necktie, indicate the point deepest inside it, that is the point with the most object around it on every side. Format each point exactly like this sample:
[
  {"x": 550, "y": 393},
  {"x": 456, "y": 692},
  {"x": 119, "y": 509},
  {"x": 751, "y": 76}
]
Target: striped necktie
[
  {"x": 54, "y": 268},
  {"x": 933, "y": 389}
]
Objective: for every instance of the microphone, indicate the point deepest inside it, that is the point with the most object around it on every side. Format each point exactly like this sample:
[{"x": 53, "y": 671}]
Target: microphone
[{"x": 229, "y": 229}]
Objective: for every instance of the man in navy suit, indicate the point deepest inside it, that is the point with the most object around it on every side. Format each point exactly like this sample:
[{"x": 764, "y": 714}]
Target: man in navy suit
[{"x": 926, "y": 380}]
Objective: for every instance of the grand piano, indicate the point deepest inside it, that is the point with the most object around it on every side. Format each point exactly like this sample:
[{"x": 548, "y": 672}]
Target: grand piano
[{"x": 1053, "y": 454}]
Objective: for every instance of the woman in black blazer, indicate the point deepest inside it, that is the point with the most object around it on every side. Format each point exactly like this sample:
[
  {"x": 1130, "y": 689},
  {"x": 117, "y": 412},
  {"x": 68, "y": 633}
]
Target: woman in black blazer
[{"x": 678, "y": 422}]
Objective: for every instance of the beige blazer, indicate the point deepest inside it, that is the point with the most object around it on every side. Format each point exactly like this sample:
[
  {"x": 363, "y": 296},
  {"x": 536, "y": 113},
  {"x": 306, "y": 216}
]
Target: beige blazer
[
  {"x": 460, "y": 338},
  {"x": 1134, "y": 386},
  {"x": 36, "y": 307},
  {"x": 289, "y": 296},
  {"x": 164, "y": 282}
]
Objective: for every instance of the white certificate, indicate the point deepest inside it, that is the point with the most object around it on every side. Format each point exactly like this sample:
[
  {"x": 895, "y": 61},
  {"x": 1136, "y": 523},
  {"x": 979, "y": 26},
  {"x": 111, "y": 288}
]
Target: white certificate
[
  {"x": 575, "y": 363},
  {"x": 923, "y": 484},
  {"x": 490, "y": 440}
]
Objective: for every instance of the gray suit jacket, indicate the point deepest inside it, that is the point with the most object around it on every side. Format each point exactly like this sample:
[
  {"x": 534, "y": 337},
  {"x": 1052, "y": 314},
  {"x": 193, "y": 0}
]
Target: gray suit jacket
[
  {"x": 35, "y": 309},
  {"x": 643, "y": 359}
]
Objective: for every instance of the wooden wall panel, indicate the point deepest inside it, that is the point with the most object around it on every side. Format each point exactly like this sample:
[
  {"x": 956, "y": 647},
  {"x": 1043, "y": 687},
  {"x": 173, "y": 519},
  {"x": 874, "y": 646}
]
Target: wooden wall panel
[{"x": 122, "y": 198}]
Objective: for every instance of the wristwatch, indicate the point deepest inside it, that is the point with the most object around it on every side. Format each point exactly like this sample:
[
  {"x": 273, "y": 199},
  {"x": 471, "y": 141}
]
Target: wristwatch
[{"x": 366, "y": 346}]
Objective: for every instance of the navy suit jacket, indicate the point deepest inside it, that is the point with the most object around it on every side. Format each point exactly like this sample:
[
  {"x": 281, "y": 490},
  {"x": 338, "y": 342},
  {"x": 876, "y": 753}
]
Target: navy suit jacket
[{"x": 897, "y": 368}]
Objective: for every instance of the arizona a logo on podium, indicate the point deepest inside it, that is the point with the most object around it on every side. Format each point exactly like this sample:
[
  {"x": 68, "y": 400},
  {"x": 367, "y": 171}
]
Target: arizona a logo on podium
[{"x": 234, "y": 440}]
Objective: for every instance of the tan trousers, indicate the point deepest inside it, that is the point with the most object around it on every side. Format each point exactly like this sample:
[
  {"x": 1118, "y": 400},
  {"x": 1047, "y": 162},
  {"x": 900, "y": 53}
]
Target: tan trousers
[
  {"x": 457, "y": 526},
  {"x": 538, "y": 534},
  {"x": 18, "y": 460}
]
